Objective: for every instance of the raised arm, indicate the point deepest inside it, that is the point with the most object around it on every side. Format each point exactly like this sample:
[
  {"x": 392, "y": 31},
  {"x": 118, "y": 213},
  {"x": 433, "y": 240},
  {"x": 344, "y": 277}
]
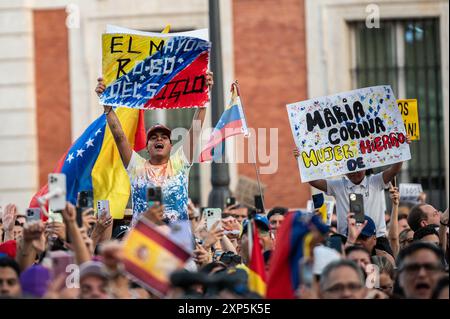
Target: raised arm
[
  {"x": 190, "y": 144},
  {"x": 121, "y": 140},
  {"x": 393, "y": 224},
  {"x": 82, "y": 253}
]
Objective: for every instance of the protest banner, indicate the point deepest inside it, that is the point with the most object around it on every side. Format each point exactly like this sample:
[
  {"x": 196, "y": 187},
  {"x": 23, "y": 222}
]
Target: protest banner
[
  {"x": 410, "y": 191},
  {"x": 151, "y": 256},
  {"x": 348, "y": 132},
  {"x": 410, "y": 114},
  {"x": 246, "y": 190},
  {"x": 149, "y": 70}
]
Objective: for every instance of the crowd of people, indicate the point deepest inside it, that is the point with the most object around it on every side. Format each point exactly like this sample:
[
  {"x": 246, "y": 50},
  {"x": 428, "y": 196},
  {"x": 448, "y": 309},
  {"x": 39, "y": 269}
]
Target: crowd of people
[{"x": 398, "y": 254}]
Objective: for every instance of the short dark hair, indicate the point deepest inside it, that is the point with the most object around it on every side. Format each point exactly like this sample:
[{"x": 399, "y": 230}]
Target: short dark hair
[
  {"x": 277, "y": 210},
  {"x": 350, "y": 249},
  {"x": 402, "y": 216},
  {"x": 6, "y": 262},
  {"x": 338, "y": 264},
  {"x": 418, "y": 245},
  {"x": 440, "y": 285},
  {"x": 416, "y": 215},
  {"x": 425, "y": 231}
]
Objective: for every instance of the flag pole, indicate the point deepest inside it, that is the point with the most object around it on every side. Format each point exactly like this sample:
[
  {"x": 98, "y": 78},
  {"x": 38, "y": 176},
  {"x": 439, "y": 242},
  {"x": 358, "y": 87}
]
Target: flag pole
[{"x": 252, "y": 151}]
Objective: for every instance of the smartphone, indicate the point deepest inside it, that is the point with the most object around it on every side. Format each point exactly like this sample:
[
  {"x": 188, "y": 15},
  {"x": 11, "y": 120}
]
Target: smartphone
[
  {"x": 33, "y": 214},
  {"x": 85, "y": 199},
  {"x": 103, "y": 208},
  {"x": 318, "y": 200},
  {"x": 357, "y": 206},
  {"x": 230, "y": 201},
  {"x": 60, "y": 260},
  {"x": 212, "y": 215},
  {"x": 57, "y": 184},
  {"x": 334, "y": 242},
  {"x": 80, "y": 217},
  {"x": 259, "y": 205},
  {"x": 154, "y": 194}
]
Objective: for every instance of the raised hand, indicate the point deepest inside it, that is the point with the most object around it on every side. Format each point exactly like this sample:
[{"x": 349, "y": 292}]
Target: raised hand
[
  {"x": 9, "y": 217},
  {"x": 214, "y": 235},
  {"x": 100, "y": 86},
  {"x": 394, "y": 195},
  {"x": 209, "y": 79},
  {"x": 201, "y": 255},
  {"x": 354, "y": 229}
]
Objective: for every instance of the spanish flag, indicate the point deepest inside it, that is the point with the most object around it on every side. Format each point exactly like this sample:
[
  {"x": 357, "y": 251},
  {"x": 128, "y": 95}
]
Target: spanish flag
[
  {"x": 150, "y": 257},
  {"x": 256, "y": 269}
]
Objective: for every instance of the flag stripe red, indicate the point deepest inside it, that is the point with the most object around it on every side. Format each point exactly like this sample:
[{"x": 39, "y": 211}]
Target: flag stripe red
[{"x": 164, "y": 242}]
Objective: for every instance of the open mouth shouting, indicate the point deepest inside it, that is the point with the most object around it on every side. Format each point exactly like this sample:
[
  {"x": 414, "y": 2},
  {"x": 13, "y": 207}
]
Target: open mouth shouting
[
  {"x": 423, "y": 288},
  {"x": 159, "y": 146}
]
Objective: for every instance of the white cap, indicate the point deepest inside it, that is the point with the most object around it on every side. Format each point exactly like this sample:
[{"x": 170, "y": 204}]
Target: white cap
[{"x": 322, "y": 257}]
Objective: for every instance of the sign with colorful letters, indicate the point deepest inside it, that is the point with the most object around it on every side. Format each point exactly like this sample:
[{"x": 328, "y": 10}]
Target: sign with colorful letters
[
  {"x": 348, "y": 132},
  {"x": 148, "y": 70},
  {"x": 410, "y": 114}
]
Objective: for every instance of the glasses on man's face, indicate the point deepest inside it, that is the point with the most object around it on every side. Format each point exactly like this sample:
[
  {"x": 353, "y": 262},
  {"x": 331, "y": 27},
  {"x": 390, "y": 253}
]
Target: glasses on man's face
[
  {"x": 338, "y": 288},
  {"x": 414, "y": 268}
]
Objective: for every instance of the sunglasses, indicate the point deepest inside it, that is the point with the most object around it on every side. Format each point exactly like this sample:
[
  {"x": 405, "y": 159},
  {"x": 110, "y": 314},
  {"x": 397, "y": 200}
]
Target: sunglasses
[{"x": 415, "y": 267}]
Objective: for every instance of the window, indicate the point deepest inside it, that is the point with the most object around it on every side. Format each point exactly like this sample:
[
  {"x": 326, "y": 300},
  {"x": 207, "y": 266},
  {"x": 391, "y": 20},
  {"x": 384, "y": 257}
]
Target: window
[{"x": 406, "y": 55}]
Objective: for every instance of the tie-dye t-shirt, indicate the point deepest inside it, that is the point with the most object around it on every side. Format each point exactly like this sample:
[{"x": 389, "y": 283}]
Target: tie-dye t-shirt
[{"x": 173, "y": 182}]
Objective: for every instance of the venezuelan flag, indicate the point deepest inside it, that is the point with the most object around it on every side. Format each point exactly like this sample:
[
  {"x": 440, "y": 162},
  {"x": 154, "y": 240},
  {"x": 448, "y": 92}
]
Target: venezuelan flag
[
  {"x": 256, "y": 270},
  {"x": 293, "y": 243},
  {"x": 232, "y": 122},
  {"x": 150, "y": 257},
  {"x": 93, "y": 162}
]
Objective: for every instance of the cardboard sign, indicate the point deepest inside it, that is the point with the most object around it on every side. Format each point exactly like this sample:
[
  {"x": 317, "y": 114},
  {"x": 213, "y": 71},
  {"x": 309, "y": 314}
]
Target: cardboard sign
[
  {"x": 148, "y": 70},
  {"x": 410, "y": 114},
  {"x": 348, "y": 132},
  {"x": 410, "y": 191}
]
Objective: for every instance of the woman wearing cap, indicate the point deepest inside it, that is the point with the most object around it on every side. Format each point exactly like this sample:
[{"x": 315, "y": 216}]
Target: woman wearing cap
[{"x": 170, "y": 172}]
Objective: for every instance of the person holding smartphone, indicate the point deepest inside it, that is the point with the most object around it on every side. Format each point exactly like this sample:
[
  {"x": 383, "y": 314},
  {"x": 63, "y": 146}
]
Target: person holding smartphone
[
  {"x": 170, "y": 172},
  {"x": 371, "y": 187}
]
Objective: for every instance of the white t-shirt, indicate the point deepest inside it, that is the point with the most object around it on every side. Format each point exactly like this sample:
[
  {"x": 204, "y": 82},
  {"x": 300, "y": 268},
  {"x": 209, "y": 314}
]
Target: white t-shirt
[{"x": 372, "y": 188}]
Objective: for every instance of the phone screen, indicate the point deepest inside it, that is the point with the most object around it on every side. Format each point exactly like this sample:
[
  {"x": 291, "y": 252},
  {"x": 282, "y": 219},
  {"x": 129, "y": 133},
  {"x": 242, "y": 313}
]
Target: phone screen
[
  {"x": 154, "y": 194},
  {"x": 318, "y": 200},
  {"x": 212, "y": 215},
  {"x": 357, "y": 206}
]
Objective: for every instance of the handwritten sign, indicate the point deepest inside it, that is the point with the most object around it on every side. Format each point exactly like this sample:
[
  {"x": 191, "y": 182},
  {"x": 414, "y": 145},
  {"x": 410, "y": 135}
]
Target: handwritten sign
[
  {"x": 348, "y": 132},
  {"x": 155, "y": 70},
  {"x": 410, "y": 191},
  {"x": 410, "y": 115}
]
